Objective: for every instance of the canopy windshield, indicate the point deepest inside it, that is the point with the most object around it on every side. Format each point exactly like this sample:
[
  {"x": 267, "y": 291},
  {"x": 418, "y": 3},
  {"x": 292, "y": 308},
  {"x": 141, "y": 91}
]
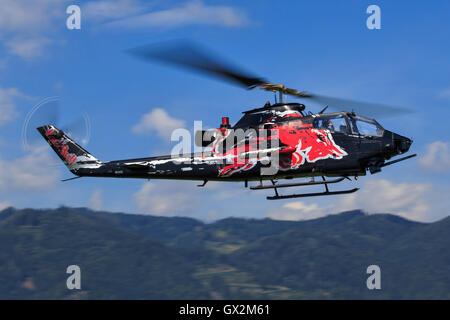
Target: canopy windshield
[{"x": 366, "y": 126}]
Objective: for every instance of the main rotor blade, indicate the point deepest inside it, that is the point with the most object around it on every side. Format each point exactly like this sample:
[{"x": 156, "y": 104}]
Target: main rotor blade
[
  {"x": 190, "y": 55},
  {"x": 367, "y": 109}
]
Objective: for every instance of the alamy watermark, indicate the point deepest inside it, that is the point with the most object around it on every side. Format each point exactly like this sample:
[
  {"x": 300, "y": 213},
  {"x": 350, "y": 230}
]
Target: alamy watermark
[
  {"x": 373, "y": 22},
  {"x": 374, "y": 280},
  {"x": 73, "y": 21},
  {"x": 74, "y": 280}
]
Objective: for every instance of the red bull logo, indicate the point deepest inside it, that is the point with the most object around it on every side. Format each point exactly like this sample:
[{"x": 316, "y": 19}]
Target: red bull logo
[
  {"x": 312, "y": 145},
  {"x": 61, "y": 147},
  {"x": 301, "y": 143}
]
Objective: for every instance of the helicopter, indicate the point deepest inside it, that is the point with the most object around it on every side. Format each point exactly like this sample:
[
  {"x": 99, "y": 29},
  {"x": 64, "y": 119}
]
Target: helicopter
[{"x": 271, "y": 143}]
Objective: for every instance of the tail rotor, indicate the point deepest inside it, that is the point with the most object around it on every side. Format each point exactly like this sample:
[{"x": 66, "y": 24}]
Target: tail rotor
[{"x": 48, "y": 111}]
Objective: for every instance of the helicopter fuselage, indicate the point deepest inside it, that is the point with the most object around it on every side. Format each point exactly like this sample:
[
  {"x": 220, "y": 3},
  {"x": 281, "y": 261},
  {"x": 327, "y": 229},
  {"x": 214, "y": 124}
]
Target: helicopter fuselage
[{"x": 333, "y": 144}]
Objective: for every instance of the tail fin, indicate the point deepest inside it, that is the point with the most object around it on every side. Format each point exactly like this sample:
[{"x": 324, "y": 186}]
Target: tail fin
[{"x": 72, "y": 154}]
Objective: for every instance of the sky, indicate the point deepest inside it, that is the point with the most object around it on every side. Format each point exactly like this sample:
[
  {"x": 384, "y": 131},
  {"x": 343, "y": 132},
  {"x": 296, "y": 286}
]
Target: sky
[{"x": 132, "y": 106}]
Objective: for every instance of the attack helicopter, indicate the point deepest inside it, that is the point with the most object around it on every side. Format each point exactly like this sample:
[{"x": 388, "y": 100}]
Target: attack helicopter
[{"x": 281, "y": 136}]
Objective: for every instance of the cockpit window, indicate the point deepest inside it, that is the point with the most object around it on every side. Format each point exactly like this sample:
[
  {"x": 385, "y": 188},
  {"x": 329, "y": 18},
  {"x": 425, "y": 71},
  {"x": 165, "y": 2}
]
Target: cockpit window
[
  {"x": 332, "y": 123},
  {"x": 366, "y": 127}
]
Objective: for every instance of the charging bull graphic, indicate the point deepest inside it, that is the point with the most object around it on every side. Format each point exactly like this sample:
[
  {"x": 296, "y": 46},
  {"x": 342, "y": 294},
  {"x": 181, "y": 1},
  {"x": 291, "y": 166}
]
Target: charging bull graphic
[
  {"x": 298, "y": 143},
  {"x": 312, "y": 145}
]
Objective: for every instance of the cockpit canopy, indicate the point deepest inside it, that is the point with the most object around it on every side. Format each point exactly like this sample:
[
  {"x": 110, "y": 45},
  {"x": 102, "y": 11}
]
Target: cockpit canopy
[
  {"x": 334, "y": 123},
  {"x": 349, "y": 124},
  {"x": 292, "y": 114},
  {"x": 366, "y": 126}
]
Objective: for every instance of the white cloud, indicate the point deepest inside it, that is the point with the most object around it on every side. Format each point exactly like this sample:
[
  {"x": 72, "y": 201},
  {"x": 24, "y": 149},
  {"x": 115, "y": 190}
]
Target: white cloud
[
  {"x": 27, "y": 47},
  {"x": 408, "y": 200},
  {"x": 445, "y": 94},
  {"x": 96, "y": 200},
  {"x": 4, "y": 205},
  {"x": 28, "y": 16},
  {"x": 25, "y": 26},
  {"x": 111, "y": 9},
  {"x": 30, "y": 172},
  {"x": 171, "y": 198},
  {"x": 217, "y": 200},
  {"x": 190, "y": 13},
  {"x": 158, "y": 120},
  {"x": 28, "y": 27},
  {"x": 413, "y": 201},
  {"x": 436, "y": 157},
  {"x": 298, "y": 210},
  {"x": 7, "y": 107}
]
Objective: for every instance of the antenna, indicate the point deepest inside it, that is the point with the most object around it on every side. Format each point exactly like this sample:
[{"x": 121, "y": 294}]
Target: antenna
[{"x": 323, "y": 110}]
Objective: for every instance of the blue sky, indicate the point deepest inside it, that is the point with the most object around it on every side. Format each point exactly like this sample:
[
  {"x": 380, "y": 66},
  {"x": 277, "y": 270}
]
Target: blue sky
[{"x": 322, "y": 47}]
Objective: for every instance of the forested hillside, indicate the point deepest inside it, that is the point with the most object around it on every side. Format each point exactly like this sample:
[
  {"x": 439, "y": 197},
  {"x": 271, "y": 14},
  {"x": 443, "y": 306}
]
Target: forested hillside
[{"x": 124, "y": 256}]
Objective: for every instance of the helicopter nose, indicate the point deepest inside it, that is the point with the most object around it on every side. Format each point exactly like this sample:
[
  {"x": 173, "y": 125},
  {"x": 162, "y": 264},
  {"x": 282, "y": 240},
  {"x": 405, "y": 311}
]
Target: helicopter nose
[
  {"x": 395, "y": 144},
  {"x": 401, "y": 143}
]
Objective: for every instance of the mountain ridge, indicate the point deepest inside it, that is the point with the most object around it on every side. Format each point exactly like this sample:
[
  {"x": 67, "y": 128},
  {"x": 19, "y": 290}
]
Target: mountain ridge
[{"x": 127, "y": 256}]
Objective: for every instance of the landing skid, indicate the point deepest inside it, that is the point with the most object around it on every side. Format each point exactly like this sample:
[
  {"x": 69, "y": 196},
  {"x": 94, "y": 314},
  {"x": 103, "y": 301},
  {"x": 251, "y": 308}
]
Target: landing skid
[
  {"x": 316, "y": 194},
  {"x": 324, "y": 182},
  {"x": 288, "y": 185}
]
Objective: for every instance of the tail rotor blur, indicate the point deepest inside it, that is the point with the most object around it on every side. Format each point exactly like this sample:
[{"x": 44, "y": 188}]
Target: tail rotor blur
[{"x": 48, "y": 111}]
